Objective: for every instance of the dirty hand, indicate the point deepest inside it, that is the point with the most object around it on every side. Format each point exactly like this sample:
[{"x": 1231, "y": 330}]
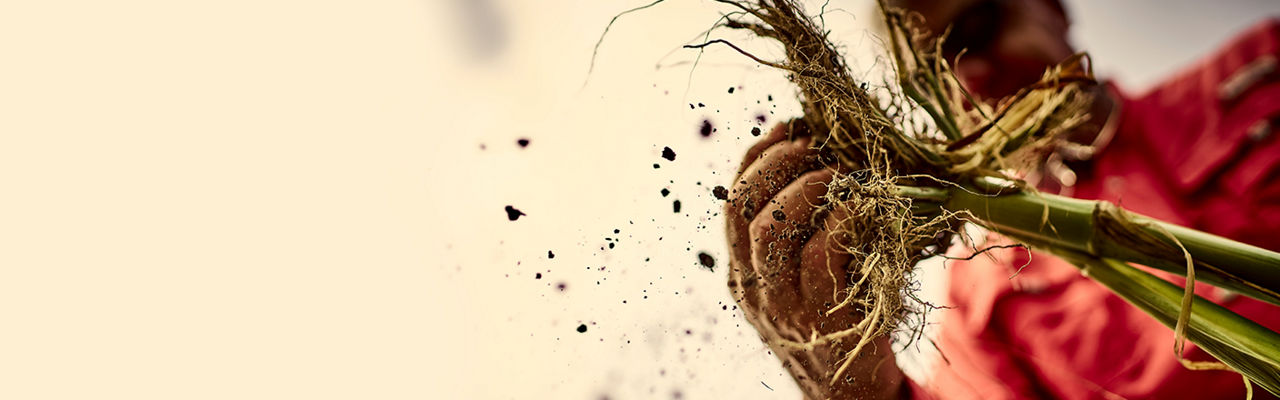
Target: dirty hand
[{"x": 785, "y": 270}]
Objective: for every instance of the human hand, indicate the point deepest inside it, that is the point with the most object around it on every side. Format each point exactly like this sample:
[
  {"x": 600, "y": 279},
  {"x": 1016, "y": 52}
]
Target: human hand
[{"x": 786, "y": 271}]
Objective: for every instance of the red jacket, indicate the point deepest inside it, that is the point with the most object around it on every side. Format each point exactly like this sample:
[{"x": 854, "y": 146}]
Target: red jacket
[{"x": 1199, "y": 151}]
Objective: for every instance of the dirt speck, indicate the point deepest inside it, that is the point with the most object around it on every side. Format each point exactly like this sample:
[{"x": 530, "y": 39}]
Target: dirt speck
[
  {"x": 707, "y": 261},
  {"x": 675, "y": 206},
  {"x": 706, "y": 128},
  {"x": 720, "y": 193},
  {"x": 668, "y": 154},
  {"x": 582, "y": 328},
  {"x": 513, "y": 214},
  {"x": 522, "y": 142}
]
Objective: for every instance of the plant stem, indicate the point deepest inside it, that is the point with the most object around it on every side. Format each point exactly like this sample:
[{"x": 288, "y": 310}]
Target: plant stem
[
  {"x": 1099, "y": 239},
  {"x": 1084, "y": 226},
  {"x": 1242, "y": 344}
]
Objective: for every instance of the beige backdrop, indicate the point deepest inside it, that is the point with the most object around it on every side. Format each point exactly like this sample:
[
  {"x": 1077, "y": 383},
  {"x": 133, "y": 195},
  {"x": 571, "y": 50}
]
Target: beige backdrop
[{"x": 288, "y": 199}]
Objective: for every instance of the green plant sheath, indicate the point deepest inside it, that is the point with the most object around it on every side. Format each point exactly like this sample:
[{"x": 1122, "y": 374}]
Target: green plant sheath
[
  {"x": 1063, "y": 222},
  {"x": 1100, "y": 239},
  {"x": 1249, "y": 348}
]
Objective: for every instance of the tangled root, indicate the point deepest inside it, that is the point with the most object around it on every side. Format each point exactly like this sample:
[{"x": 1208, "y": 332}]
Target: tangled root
[{"x": 886, "y": 233}]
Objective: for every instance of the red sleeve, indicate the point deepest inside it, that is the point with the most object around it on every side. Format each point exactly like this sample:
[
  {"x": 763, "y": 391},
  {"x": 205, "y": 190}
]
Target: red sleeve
[
  {"x": 1202, "y": 118},
  {"x": 1199, "y": 150},
  {"x": 994, "y": 340}
]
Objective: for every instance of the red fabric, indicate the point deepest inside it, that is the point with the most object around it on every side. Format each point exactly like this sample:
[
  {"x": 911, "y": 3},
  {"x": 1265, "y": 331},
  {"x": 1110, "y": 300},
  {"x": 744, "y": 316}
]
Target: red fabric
[{"x": 1184, "y": 154}]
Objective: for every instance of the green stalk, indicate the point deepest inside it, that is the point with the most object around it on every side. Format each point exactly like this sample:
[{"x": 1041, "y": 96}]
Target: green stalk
[
  {"x": 1089, "y": 227},
  {"x": 1249, "y": 348},
  {"x": 1099, "y": 239},
  {"x": 901, "y": 45}
]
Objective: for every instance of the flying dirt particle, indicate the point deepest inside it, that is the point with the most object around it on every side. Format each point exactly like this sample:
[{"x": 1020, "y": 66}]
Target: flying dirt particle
[
  {"x": 675, "y": 205},
  {"x": 760, "y": 118},
  {"x": 706, "y": 128},
  {"x": 755, "y": 131},
  {"x": 778, "y": 215},
  {"x": 617, "y": 231},
  {"x": 665, "y": 192},
  {"x": 523, "y": 142},
  {"x": 513, "y": 214},
  {"x": 562, "y": 286},
  {"x": 582, "y": 328},
  {"x": 701, "y": 105},
  {"x": 550, "y": 254},
  {"x": 691, "y": 106},
  {"x": 668, "y": 154},
  {"x": 537, "y": 276},
  {"x": 770, "y": 97},
  {"x": 707, "y": 261},
  {"x": 720, "y": 192},
  {"x": 656, "y": 166},
  {"x": 731, "y": 90}
]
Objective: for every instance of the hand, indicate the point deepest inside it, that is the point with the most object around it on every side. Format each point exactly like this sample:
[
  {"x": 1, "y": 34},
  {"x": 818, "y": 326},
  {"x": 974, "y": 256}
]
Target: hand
[{"x": 786, "y": 271}]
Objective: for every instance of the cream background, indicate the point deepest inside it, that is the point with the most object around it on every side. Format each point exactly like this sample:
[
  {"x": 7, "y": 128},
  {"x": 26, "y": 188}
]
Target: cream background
[{"x": 286, "y": 199}]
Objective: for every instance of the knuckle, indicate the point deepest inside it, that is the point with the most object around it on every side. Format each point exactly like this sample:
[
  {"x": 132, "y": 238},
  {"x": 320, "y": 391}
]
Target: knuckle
[
  {"x": 740, "y": 200},
  {"x": 762, "y": 232}
]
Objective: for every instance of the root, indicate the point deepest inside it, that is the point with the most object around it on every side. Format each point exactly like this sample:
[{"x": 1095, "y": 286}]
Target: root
[
  {"x": 739, "y": 49},
  {"x": 886, "y": 142},
  {"x": 596, "y": 50},
  {"x": 885, "y": 233},
  {"x": 865, "y": 272}
]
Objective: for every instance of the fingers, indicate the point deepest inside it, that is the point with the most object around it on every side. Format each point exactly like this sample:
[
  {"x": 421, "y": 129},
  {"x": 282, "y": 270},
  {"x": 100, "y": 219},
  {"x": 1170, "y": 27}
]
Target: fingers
[
  {"x": 824, "y": 265},
  {"x": 778, "y": 235},
  {"x": 742, "y": 286},
  {"x": 779, "y": 133},
  {"x": 767, "y": 167},
  {"x": 788, "y": 266},
  {"x": 778, "y": 165}
]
